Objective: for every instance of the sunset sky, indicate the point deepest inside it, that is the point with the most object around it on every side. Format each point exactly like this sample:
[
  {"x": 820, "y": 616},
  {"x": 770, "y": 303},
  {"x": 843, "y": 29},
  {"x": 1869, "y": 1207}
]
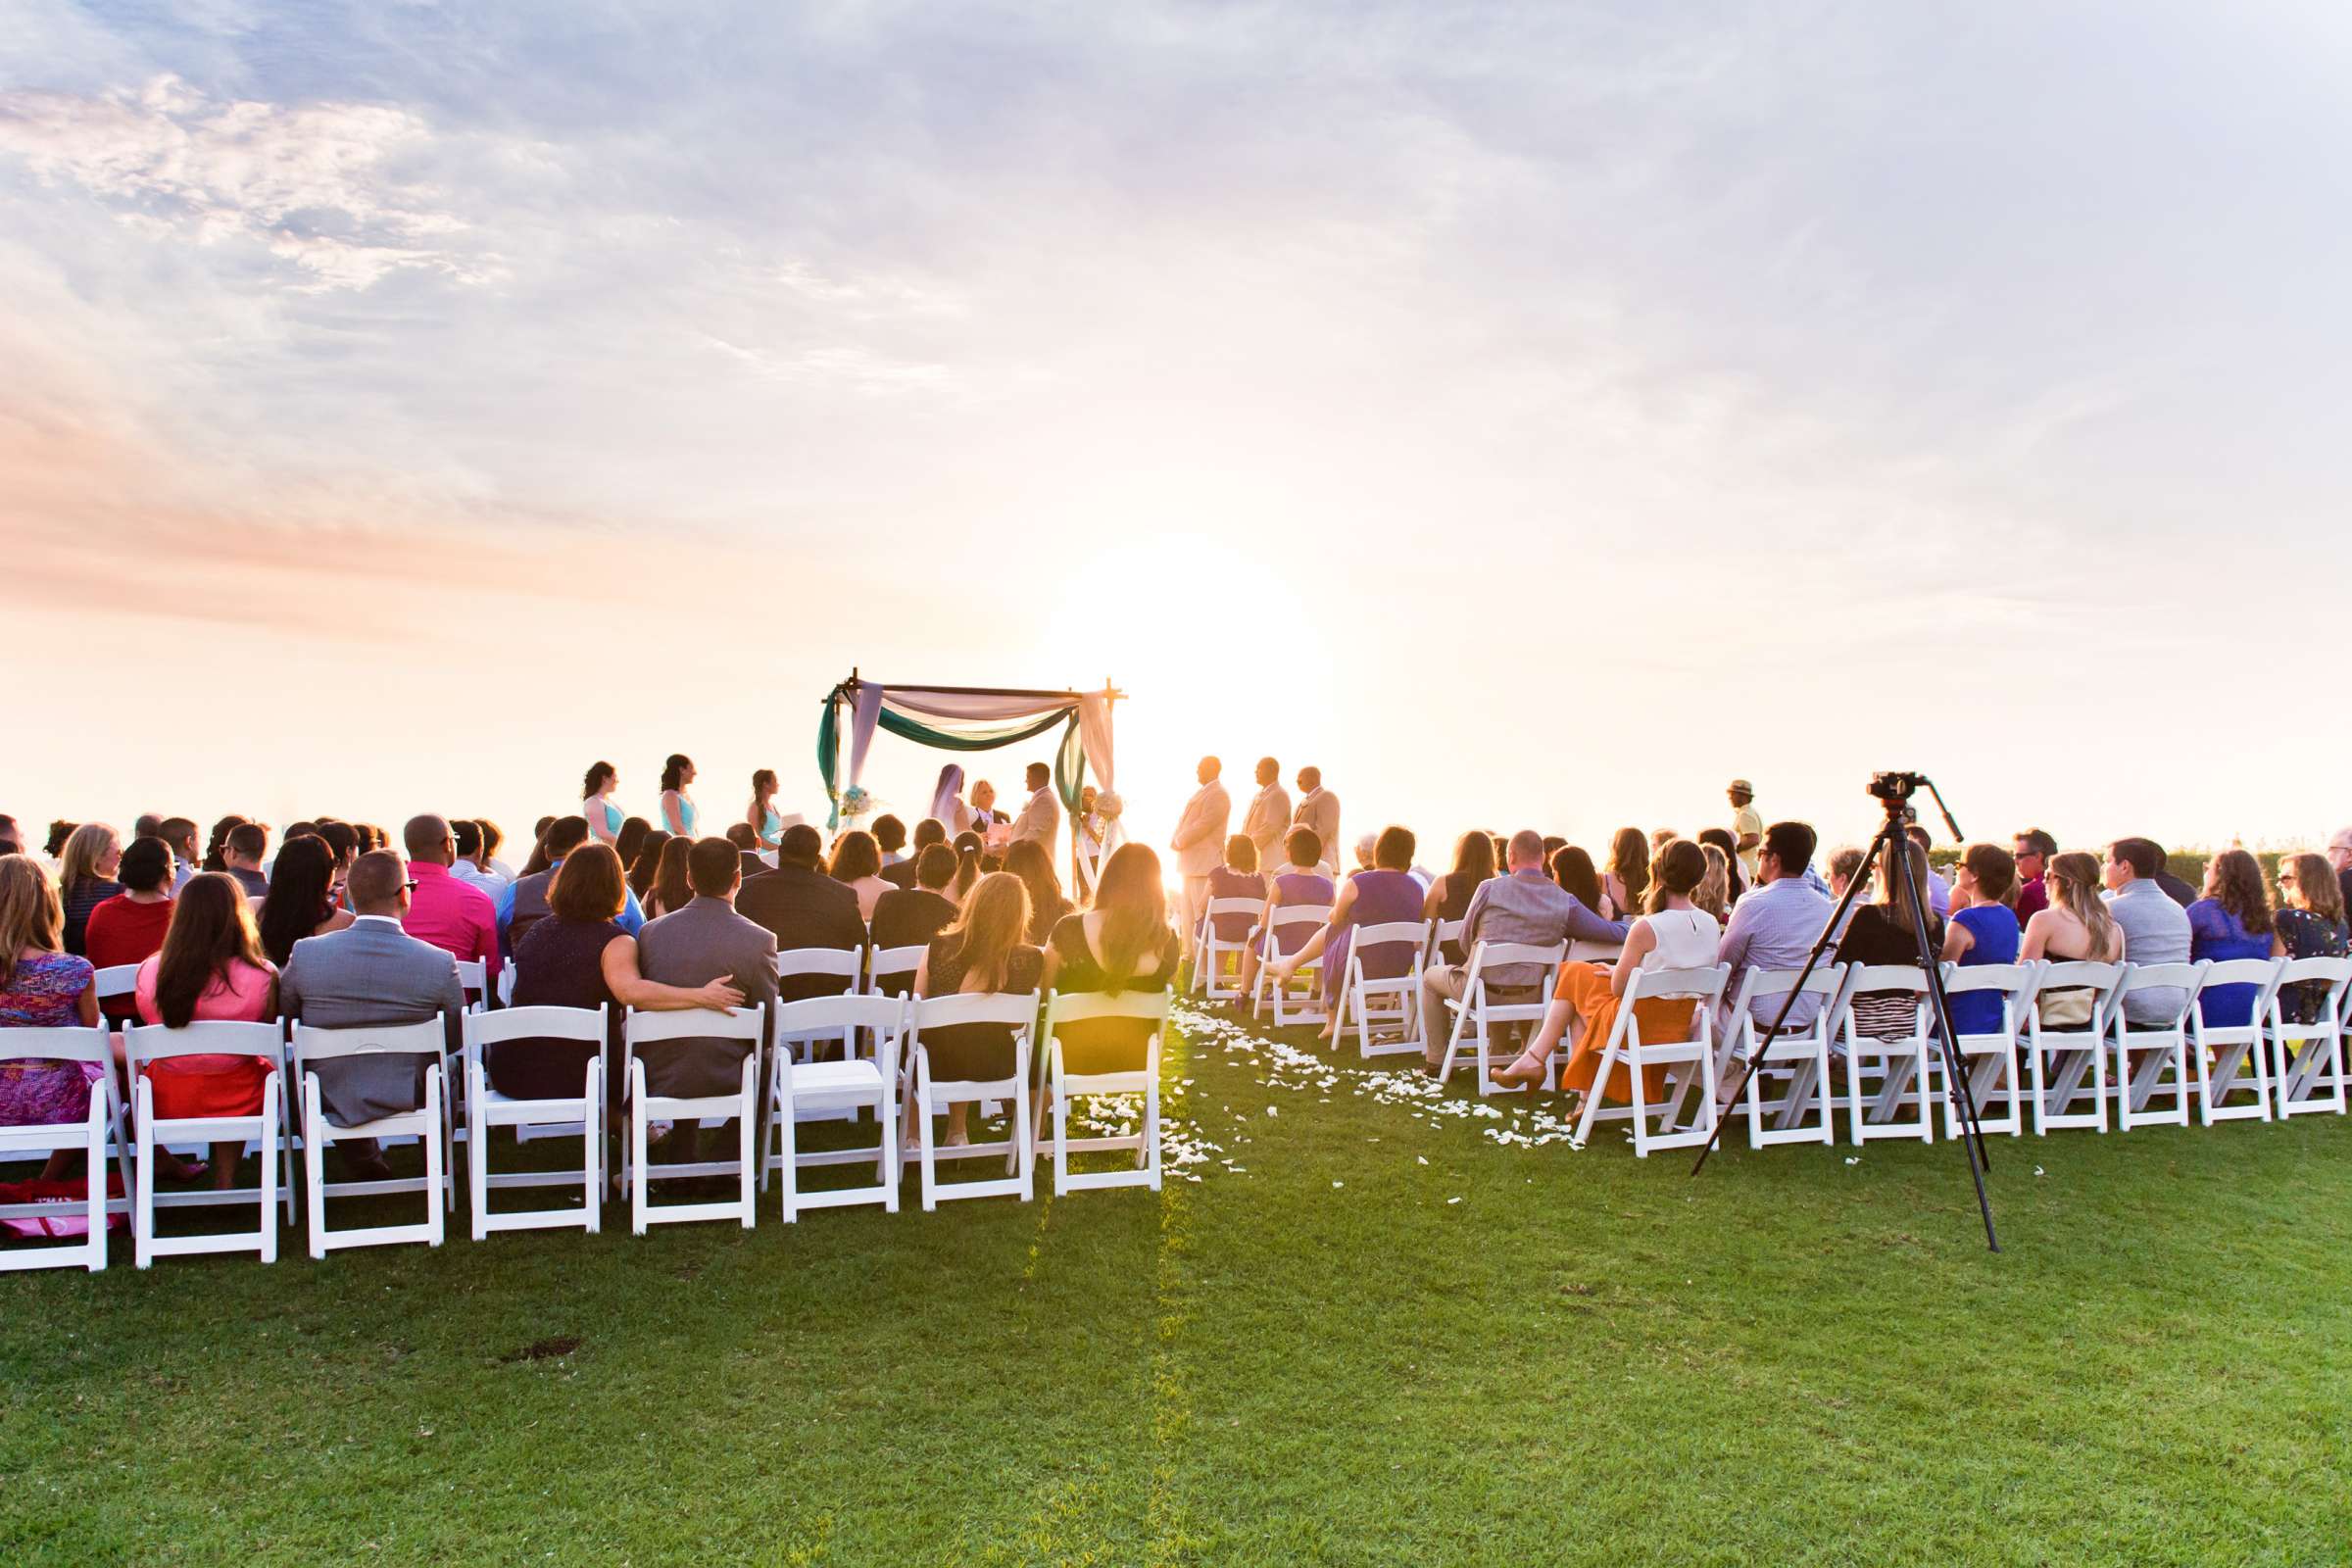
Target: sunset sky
[{"x": 1532, "y": 414}]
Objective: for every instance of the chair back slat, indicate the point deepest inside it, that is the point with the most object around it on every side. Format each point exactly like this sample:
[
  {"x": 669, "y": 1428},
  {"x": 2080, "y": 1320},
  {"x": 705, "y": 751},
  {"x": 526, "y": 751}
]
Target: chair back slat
[
  {"x": 1680, "y": 985},
  {"x": 1018, "y": 1009},
  {"x": 827, "y": 1015},
  {"x": 1493, "y": 955},
  {"x": 61, "y": 1043},
  {"x": 206, "y": 1037},
  {"x": 584, "y": 1024},
  {"x": 1087, "y": 1007},
  {"x": 2161, "y": 976},
  {"x": 844, "y": 962},
  {"x": 693, "y": 1023},
  {"x": 1959, "y": 979},
  {"x": 314, "y": 1044}
]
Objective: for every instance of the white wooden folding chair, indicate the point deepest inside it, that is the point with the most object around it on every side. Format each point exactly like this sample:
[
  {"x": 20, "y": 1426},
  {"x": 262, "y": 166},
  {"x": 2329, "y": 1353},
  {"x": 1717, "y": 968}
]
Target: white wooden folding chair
[
  {"x": 846, "y": 964},
  {"x": 506, "y": 984},
  {"x": 1386, "y": 1008},
  {"x": 1895, "y": 1065},
  {"x": 474, "y": 979},
  {"x": 932, "y": 1096},
  {"x": 1294, "y": 1003},
  {"x": 1585, "y": 951},
  {"x": 638, "y": 1171},
  {"x": 2221, "y": 1051},
  {"x": 2058, "y": 1057},
  {"x": 2151, "y": 1057},
  {"x": 1477, "y": 1014},
  {"x": 1691, "y": 1057},
  {"x": 95, "y": 1133},
  {"x": 2307, "y": 1060},
  {"x": 860, "y": 1080},
  {"x": 1990, "y": 1060},
  {"x": 114, "y": 982},
  {"x": 1441, "y": 932},
  {"x": 1216, "y": 963},
  {"x": 428, "y": 1124},
  {"x": 1063, "y": 1088},
  {"x": 487, "y": 1108},
  {"x": 270, "y": 1127},
  {"x": 1798, "y": 1058},
  {"x": 890, "y": 971}
]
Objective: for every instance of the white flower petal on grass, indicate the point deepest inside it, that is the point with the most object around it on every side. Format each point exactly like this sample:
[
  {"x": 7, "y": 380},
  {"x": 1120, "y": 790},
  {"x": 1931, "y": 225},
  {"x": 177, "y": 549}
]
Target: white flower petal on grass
[
  {"x": 1339, "y": 1184},
  {"x": 1453, "y": 1201}
]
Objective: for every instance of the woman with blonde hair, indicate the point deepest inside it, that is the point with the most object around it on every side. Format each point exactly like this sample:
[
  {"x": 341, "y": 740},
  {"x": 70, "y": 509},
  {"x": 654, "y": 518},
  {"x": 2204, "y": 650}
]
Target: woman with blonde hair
[
  {"x": 2310, "y": 924},
  {"x": 41, "y": 987},
  {"x": 2075, "y": 928},
  {"x": 85, "y": 878},
  {"x": 1886, "y": 931},
  {"x": 985, "y": 953},
  {"x": 1714, "y": 891}
]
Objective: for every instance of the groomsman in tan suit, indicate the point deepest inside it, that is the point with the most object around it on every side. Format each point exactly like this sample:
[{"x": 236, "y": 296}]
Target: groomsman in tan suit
[
  {"x": 1269, "y": 815},
  {"x": 1319, "y": 810},
  {"x": 1199, "y": 843}
]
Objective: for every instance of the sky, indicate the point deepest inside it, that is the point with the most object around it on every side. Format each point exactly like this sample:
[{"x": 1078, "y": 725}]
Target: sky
[{"x": 1530, "y": 415}]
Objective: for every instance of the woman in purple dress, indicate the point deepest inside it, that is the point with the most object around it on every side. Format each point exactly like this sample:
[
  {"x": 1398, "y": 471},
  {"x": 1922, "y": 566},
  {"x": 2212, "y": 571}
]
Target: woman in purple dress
[
  {"x": 1388, "y": 894},
  {"x": 41, "y": 987},
  {"x": 1299, "y": 883}
]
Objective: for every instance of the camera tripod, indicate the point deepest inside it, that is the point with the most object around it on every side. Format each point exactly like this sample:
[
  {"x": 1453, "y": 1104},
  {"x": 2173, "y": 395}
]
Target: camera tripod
[{"x": 1895, "y": 848}]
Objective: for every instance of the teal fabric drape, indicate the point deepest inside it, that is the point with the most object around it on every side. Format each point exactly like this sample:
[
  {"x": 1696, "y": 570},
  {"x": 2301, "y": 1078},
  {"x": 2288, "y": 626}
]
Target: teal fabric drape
[{"x": 1069, "y": 763}]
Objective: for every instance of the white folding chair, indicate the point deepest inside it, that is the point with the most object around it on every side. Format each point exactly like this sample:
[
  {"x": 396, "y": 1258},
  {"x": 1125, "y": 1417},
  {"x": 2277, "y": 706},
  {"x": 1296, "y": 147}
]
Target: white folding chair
[
  {"x": 474, "y": 979},
  {"x": 1386, "y": 1008},
  {"x": 95, "y": 1133},
  {"x": 638, "y": 1172},
  {"x": 1294, "y": 1003},
  {"x": 2222, "y": 1052},
  {"x": 427, "y": 1123},
  {"x": 1798, "y": 1057},
  {"x": 114, "y": 982},
  {"x": 1691, "y": 1057},
  {"x": 487, "y": 1108},
  {"x": 270, "y": 1127},
  {"x": 858, "y": 1081},
  {"x": 1585, "y": 951},
  {"x": 1441, "y": 932},
  {"x": 2153, "y": 1057},
  {"x": 1898, "y": 1063},
  {"x": 1216, "y": 963},
  {"x": 1990, "y": 1060},
  {"x": 892, "y": 967},
  {"x": 1063, "y": 1088},
  {"x": 2058, "y": 1057},
  {"x": 932, "y": 1096},
  {"x": 506, "y": 984},
  {"x": 2307, "y": 1060},
  {"x": 846, "y": 964},
  {"x": 1477, "y": 1014}
]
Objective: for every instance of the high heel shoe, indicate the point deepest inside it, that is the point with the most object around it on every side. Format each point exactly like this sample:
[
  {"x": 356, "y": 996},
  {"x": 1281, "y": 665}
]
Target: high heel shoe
[{"x": 1526, "y": 1072}]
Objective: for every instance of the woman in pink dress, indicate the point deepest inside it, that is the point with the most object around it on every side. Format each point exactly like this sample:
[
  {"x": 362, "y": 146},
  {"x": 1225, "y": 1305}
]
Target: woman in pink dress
[{"x": 211, "y": 967}]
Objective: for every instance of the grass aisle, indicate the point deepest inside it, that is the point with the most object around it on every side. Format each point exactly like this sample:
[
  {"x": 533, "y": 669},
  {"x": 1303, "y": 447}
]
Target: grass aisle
[{"x": 1374, "y": 1330}]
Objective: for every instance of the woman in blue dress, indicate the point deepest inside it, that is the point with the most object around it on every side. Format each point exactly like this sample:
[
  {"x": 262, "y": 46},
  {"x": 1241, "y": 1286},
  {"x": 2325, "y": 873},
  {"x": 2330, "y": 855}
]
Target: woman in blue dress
[
  {"x": 677, "y": 807},
  {"x": 1982, "y": 930},
  {"x": 762, "y": 816},
  {"x": 2233, "y": 920},
  {"x": 596, "y": 804}
]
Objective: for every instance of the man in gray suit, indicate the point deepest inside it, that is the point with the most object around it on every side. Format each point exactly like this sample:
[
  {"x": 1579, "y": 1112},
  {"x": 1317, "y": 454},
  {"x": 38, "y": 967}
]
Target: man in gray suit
[
  {"x": 369, "y": 975},
  {"x": 705, "y": 941}
]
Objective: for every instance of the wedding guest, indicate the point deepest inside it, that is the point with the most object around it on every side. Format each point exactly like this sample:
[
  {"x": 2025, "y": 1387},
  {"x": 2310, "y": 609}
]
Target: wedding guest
[
  {"x": 1384, "y": 893},
  {"x": 647, "y": 866},
  {"x": 857, "y": 866},
  {"x": 679, "y": 812},
  {"x": 909, "y": 917},
  {"x": 889, "y": 836},
  {"x": 1303, "y": 882},
  {"x": 1776, "y": 926},
  {"x": 982, "y": 954},
  {"x": 41, "y": 987},
  {"x": 241, "y": 859},
  {"x": 344, "y": 841},
  {"x": 2033, "y": 848},
  {"x": 1449, "y": 897},
  {"x": 1734, "y": 873},
  {"x": 1885, "y": 932},
  {"x": 1627, "y": 882},
  {"x": 1714, "y": 891},
  {"x": 631, "y": 838},
  {"x": 2155, "y": 925},
  {"x": 492, "y": 838},
  {"x": 301, "y": 897},
  {"x": 970, "y": 865},
  {"x": 1237, "y": 878},
  {"x": 2310, "y": 924},
  {"x": 801, "y": 906},
  {"x": 2340, "y": 856},
  {"x": 2174, "y": 888},
  {"x": 673, "y": 889},
  {"x": 1033, "y": 863},
  {"x": 1982, "y": 930},
  {"x": 1319, "y": 811},
  {"x": 1940, "y": 889},
  {"x": 1675, "y": 934},
  {"x": 747, "y": 849},
  {"x": 1039, "y": 821},
  {"x": 217, "y": 846},
  {"x": 129, "y": 927},
  {"x": 2077, "y": 926},
  {"x": 1747, "y": 825},
  {"x": 180, "y": 832},
  {"x": 1120, "y": 947},
  {"x": 762, "y": 816},
  {"x": 211, "y": 966},
  {"x": 927, "y": 832},
  {"x": 1573, "y": 869},
  {"x": 85, "y": 877},
  {"x": 2231, "y": 920},
  {"x": 704, "y": 940},
  {"x": 472, "y": 865},
  {"x": 11, "y": 837},
  {"x": 1523, "y": 907},
  {"x": 1269, "y": 815},
  {"x": 1198, "y": 837},
  {"x": 524, "y": 901},
  {"x": 460, "y": 920},
  {"x": 604, "y": 818}
]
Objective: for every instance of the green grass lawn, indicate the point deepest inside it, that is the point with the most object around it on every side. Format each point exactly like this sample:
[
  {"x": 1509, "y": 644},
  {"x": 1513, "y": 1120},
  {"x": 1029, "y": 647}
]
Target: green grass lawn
[{"x": 1364, "y": 1335}]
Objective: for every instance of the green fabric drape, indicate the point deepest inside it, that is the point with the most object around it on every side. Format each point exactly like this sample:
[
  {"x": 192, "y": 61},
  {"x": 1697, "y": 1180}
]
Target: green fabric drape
[{"x": 1069, "y": 763}]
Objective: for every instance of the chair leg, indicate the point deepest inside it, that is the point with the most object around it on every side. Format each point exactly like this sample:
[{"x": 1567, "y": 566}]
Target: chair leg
[
  {"x": 592, "y": 1139},
  {"x": 436, "y": 1150},
  {"x": 313, "y": 1196},
  {"x": 782, "y": 1116},
  {"x": 478, "y": 1156},
  {"x": 142, "y": 1175},
  {"x": 637, "y": 1141},
  {"x": 747, "y": 1140}
]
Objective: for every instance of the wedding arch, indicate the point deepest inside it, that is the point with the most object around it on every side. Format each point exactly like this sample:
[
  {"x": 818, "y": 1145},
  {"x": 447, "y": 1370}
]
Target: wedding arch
[{"x": 964, "y": 719}]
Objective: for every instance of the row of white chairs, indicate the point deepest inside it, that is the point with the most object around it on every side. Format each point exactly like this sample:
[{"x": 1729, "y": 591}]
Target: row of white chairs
[{"x": 878, "y": 1054}]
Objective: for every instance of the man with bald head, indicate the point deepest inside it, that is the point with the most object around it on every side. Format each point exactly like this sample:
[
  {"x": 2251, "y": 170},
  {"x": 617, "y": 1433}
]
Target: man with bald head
[
  {"x": 1524, "y": 906},
  {"x": 452, "y": 914},
  {"x": 1319, "y": 810},
  {"x": 1199, "y": 843}
]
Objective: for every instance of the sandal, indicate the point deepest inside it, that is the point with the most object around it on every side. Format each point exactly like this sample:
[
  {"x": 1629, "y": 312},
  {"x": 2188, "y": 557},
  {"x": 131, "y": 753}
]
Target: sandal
[{"x": 1526, "y": 1071}]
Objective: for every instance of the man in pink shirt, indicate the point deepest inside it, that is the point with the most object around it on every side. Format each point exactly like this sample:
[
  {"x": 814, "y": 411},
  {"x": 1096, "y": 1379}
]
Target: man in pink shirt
[{"x": 453, "y": 916}]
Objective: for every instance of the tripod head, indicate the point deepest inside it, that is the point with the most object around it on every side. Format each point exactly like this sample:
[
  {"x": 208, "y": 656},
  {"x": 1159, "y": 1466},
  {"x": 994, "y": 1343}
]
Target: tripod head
[{"x": 1894, "y": 792}]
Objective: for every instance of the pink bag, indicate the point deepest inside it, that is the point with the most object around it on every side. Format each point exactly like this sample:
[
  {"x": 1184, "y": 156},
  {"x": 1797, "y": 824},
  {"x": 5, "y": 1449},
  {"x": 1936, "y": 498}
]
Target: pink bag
[{"x": 72, "y": 1200}]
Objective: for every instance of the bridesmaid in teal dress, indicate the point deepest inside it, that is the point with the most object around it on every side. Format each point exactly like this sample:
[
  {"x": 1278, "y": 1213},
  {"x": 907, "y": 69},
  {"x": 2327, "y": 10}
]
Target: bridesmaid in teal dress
[
  {"x": 677, "y": 807},
  {"x": 596, "y": 804},
  {"x": 764, "y": 821}
]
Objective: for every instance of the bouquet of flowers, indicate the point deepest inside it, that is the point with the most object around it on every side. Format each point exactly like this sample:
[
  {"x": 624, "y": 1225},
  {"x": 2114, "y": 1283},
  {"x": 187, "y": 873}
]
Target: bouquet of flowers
[{"x": 856, "y": 801}]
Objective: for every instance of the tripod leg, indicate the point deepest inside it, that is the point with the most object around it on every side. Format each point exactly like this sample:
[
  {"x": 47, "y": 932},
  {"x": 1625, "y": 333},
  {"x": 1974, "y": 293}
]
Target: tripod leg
[{"x": 1973, "y": 1140}]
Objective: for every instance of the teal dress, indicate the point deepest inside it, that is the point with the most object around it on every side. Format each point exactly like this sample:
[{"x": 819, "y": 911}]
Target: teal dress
[
  {"x": 771, "y": 827},
  {"x": 687, "y": 814},
  {"x": 613, "y": 816}
]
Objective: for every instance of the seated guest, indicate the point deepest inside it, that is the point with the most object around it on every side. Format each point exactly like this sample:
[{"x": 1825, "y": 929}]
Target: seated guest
[
  {"x": 1525, "y": 907},
  {"x": 2032, "y": 851},
  {"x": 909, "y": 917},
  {"x": 242, "y": 857},
  {"x": 1626, "y": 884},
  {"x": 2233, "y": 920},
  {"x": 2310, "y": 924},
  {"x": 129, "y": 927},
  {"x": 1776, "y": 926},
  {"x": 1385, "y": 894},
  {"x": 85, "y": 877},
  {"x": 209, "y": 966},
  {"x": 890, "y": 837},
  {"x": 969, "y": 855},
  {"x": 901, "y": 874},
  {"x": 344, "y": 840},
  {"x": 801, "y": 906},
  {"x": 180, "y": 832},
  {"x": 368, "y": 976},
  {"x": 632, "y": 838},
  {"x": 648, "y": 865},
  {"x": 1886, "y": 931},
  {"x": 2154, "y": 926},
  {"x": 1450, "y": 897},
  {"x": 1033, "y": 863},
  {"x": 1573, "y": 869},
  {"x": 1303, "y": 882},
  {"x": 1366, "y": 848},
  {"x": 2174, "y": 888},
  {"x": 1982, "y": 930},
  {"x": 857, "y": 866},
  {"x": 1717, "y": 886},
  {"x": 981, "y": 954},
  {"x": 459, "y": 920},
  {"x": 472, "y": 865},
  {"x": 673, "y": 889},
  {"x": 1734, "y": 873},
  {"x": 526, "y": 899},
  {"x": 689, "y": 948},
  {"x": 216, "y": 849},
  {"x": 11, "y": 837},
  {"x": 2340, "y": 857},
  {"x": 1939, "y": 888},
  {"x": 492, "y": 838},
  {"x": 2078, "y": 926},
  {"x": 578, "y": 956},
  {"x": 1237, "y": 878},
  {"x": 41, "y": 987},
  {"x": 1120, "y": 947},
  {"x": 301, "y": 897},
  {"x": 747, "y": 849},
  {"x": 1676, "y": 934}
]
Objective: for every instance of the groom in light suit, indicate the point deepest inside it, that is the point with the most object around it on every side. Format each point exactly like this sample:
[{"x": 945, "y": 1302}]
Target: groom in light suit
[
  {"x": 1041, "y": 817},
  {"x": 1199, "y": 843}
]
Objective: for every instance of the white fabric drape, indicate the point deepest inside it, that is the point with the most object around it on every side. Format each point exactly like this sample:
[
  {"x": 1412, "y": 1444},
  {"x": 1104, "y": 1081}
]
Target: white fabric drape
[
  {"x": 862, "y": 719},
  {"x": 970, "y": 710},
  {"x": 1094, "y": 735}
]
